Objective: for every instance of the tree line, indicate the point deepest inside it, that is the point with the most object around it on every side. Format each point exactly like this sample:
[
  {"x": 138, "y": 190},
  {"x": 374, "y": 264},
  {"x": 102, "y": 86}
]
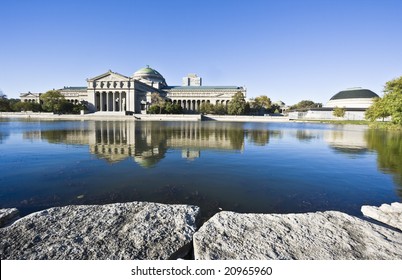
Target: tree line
[
  {"x": 51, "y": 101},
  {"x": 236, "y": 106}
]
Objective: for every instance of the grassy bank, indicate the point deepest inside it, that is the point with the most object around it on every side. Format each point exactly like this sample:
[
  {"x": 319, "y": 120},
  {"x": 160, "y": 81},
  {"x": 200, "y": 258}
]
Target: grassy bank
[
  {"x": 385, "y": 126},
  {"x": 372, "y": 125}
]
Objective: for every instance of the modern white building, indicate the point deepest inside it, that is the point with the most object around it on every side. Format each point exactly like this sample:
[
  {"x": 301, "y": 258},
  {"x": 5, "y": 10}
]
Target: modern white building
[
  {"x": 352, "y": 98},
  {"x": 355, "y": 101},
  {"x": 114, "y": 92}
]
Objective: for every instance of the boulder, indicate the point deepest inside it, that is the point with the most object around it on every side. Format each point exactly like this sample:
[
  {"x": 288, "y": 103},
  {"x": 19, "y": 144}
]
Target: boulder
[
  {"x": 319, "y": 236},
  {"x": 121, "y": 231},
  {"x": 387, "y": 214},
  {"x": 7, "y": 215}
]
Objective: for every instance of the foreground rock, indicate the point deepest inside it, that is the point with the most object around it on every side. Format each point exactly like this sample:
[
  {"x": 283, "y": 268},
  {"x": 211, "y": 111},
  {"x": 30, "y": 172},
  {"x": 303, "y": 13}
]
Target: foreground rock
[
  {"x": 321, "y": 235},
  {"x": 387, "y": 214},
  {"x": 136, "y": 230},
  {"x": 7, "y": 215}
]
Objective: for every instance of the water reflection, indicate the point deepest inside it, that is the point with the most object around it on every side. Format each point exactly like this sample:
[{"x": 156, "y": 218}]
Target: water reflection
[
  {"x": 261, "y": 137},
  {"x": 3, "y": 136},
  {"x": 147, "y": 142},
  {"x": 244, "y": 167},
  {"x": 388, "y": 145},
  {"x": 350, "y": 142}
]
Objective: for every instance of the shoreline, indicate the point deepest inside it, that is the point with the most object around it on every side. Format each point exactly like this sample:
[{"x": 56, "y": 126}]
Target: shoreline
[
  {"x": 168, "y": 117},
  {"x": 144, "y": 117}
]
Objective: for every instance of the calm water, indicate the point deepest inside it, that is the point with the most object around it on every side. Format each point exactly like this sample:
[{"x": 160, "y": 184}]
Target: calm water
[{"x": 243, "y": 167}]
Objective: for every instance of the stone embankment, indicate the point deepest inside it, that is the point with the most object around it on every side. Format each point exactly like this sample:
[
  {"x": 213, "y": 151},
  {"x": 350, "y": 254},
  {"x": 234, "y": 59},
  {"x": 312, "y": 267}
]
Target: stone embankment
[
  {"x": 122, "y": 231},
  {"x": 141, "y": 230},
  {"x": 387, "y": 214},
  {"x": 311, "y": 236},
  {"x": 8, "y": 215}
]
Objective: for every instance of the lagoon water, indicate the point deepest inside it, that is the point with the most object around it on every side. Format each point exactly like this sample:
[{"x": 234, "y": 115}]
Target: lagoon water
[{"x": 242, "y": 167}]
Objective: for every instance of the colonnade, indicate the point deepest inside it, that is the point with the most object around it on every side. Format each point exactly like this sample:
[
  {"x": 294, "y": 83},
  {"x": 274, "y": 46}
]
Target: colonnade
[
  {"x": 194, "y": 105},
  {"x": 110, "y": 101}
]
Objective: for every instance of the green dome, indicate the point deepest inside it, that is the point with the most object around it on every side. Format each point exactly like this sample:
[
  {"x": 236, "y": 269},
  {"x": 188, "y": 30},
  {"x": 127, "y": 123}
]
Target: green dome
[
  {"x": 149, "y": 74},
  {"x": 147, "y": 70}
]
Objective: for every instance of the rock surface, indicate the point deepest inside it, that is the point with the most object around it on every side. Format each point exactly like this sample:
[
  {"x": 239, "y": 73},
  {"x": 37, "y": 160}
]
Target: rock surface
[
  {"x": 7, "y": 215},
  {"x": 387, "y": 214},
  {"x": 136, "y": 230},
  {"x": 321, "y": 235}
]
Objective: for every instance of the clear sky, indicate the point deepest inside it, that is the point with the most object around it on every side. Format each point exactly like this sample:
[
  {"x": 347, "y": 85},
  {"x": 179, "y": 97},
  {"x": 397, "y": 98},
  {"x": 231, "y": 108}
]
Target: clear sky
[{"x": 288, "y": 50}]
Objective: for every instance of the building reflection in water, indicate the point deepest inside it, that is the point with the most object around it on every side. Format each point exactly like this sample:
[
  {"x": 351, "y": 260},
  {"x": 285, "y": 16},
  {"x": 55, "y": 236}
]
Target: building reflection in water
[
  {"x": 147, "y": 142},
  {"x": 350, "y": 142}
]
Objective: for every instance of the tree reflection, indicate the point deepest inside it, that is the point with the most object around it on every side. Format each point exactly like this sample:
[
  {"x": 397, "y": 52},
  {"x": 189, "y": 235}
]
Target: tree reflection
[
  {"x": 388, "y": 145},
  {"x": 3, "y": 136},
  {"x": 262, "y": 137},
  {"x": 305, "y": 135}
]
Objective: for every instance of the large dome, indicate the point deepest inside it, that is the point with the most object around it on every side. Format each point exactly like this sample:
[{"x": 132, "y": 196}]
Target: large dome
[
  {"x": 150, "y": 75},
  {"x": 354, "y": 93},
  {"x": 352, "y": 98}
]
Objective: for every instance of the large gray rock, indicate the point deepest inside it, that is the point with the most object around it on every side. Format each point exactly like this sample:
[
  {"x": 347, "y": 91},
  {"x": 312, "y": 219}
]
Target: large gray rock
[
  {"x": 136, "y": 230},
  {"x": 387, "y": 214},
  {"x": 321, "y": 235},
  {"x": 7, "y": 215}
]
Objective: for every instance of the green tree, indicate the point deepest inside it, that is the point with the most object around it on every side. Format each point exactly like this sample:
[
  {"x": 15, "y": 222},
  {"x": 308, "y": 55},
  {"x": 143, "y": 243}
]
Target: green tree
[
  {"x": 154, "y": 109},
  {"x": 261, "y": 104},
  {"x": 339, "y": 112},
  {"x": 25, "y": 106},
  {"x": 156, "y": 99},
  {"x": 171, "y": 108},
  {"x": 220, "y": 109},
  {"x": 4, "y": 104},
  {"x": 390, "y": 104},
  {"x": 53, "y": 101},
  {"x": 206, "y": 108},
  {"x": 378, "y": 110},
  {"x": 237, "y": 106},
  {"x": 305, "y": 105}
]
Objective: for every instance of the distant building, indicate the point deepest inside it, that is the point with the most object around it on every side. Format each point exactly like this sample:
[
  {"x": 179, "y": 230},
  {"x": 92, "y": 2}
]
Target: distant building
[
  {"x": 191, "y": 80},
  {"x": 355, "y": 101},
  {"x": 114, "y": 92}
]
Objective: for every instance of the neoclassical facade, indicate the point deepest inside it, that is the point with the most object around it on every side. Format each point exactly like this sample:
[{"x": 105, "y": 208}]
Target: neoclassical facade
[{"x": 114, "y": 92}]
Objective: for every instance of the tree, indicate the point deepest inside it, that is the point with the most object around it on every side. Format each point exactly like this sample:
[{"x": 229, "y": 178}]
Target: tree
[
  {"x": 52, "y": 101},
  {"x": 237, "y": 106},
  {"x": 261, "y": 104},
  {"x": 156, "y": 99},
  {"x": 339, "y": 112},
  {"x": 378, "y": 110},
  {"x": 171, "y": 108},
  {"x": 25, "y": 106},
  {"x": 390, "y": 104},
  {"x": 305, "y": 104},
  {"x": 206, "y": 108},
  {"x": 220, "y": 109}
]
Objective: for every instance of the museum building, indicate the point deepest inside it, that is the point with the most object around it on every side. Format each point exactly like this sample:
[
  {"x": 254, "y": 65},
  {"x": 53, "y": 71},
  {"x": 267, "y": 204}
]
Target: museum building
[{"x": 114, "y": 92}]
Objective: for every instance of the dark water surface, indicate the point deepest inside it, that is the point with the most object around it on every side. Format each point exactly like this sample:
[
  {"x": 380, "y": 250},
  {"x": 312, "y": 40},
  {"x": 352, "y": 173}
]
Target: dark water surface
[{"x": 243, "y": 167}]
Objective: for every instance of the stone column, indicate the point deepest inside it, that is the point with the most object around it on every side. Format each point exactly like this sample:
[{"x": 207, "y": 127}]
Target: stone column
[{"x": 114, "y": 101}]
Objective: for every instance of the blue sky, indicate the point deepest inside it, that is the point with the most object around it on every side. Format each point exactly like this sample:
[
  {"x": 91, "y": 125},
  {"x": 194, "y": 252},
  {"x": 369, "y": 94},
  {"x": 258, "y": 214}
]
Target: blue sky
[{"x": 287, "y": 50}]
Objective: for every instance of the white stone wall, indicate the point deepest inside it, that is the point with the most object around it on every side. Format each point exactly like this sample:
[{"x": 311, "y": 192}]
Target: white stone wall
[{"x": 350, "y": 103}]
